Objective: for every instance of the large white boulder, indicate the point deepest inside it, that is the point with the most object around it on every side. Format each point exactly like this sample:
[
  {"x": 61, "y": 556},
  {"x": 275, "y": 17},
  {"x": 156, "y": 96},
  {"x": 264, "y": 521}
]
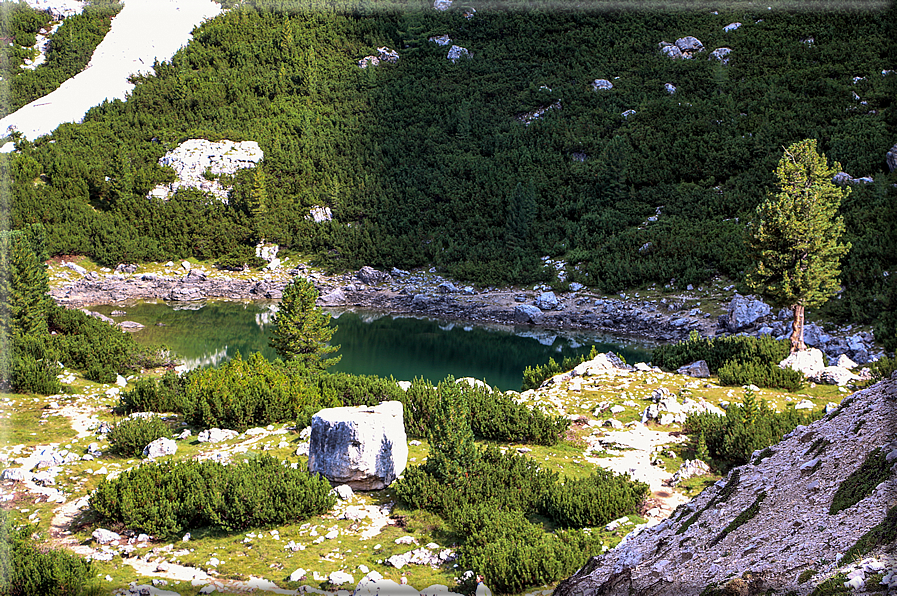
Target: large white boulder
[
  {"x": 810, "y": 362},
  {"x": 216, "y": 435},
  {"x": 364, "y": 447},
  {"x": 160, "y": 447}
]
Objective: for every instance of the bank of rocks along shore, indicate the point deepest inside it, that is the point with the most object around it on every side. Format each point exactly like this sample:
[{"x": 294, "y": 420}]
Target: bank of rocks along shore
[{"x": 424, "y": 293}]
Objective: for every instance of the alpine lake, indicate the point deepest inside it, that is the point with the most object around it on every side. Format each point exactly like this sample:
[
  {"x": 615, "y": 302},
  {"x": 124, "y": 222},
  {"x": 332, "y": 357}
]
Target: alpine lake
[{"x": 371, "y": 343}]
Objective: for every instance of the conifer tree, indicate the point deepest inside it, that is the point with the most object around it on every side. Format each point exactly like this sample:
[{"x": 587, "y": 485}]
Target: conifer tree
[
  {"x": 301, "y": 329},
  {"x": 794, "y": 239}
]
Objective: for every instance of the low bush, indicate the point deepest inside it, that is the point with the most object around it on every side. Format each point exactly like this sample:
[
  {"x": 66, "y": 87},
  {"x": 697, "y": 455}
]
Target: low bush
[
  {"x": 154, "y": 395},
  {"x": 735, "y": 374},
  {"x": 534, "y": 376},
  {"x": 882, "y": 369},
  {"x": 131, "y": 435},
  {"x": 98, "y": 349},
  {"x": 242, "y": 393},
  {"x": 168, "y": 499},
  {"x": 486, "y": 496},
  {"x": 732, "y": 438},
  {"x": 512, "y": 553},
  {"x": 26, "y": 570},
  {"x": 494, "y": 416},
  {"x": 741, "y": 360},
  {"x": 28, "y": 375},
  {"x": 593, "y": 501}
]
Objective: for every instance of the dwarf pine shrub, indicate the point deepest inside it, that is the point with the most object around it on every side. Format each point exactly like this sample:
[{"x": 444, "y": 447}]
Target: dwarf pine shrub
[
  {"x": 512, "y": 553},
  {"x": 732, "y": 438},
  {"x": 152, "y": 395},
  {"x": 131, "y": 435},
  {"x": 593, "y": 501},
  {"x": 167, "y": 499},
  {"x": 26, "y": 570},
  {"x": 739, "y": 360}
]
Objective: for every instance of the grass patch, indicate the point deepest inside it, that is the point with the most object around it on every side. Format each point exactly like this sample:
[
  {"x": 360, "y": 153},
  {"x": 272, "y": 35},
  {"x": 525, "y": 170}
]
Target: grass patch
[
  {"x": 883, "y": 533},
  {"x": 860, "y": 484},
  {"x": 743, "y": 517}
]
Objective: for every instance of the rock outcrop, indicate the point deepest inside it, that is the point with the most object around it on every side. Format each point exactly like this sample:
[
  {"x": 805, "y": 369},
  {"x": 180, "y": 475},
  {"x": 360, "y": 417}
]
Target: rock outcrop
[
  {"x": 199, "y": 163},
  {"x": 891, "y": 158},
  {"x": 744, "y": 311},
  {"x": 365, "y": 448},
  {"x": 778, "y": 523}
]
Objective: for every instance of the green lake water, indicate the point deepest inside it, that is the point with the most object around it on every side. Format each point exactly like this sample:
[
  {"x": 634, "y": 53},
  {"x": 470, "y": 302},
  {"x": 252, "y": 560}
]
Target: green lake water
[{"x": 206, "y": 334}]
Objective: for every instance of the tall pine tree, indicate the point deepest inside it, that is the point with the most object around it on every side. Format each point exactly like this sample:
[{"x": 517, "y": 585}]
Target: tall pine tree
[{"x": 794, "y": 238}]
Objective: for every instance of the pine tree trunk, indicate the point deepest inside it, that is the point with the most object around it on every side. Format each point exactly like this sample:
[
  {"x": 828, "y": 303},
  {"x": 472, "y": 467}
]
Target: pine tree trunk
[{"x": 797, "y": 329}]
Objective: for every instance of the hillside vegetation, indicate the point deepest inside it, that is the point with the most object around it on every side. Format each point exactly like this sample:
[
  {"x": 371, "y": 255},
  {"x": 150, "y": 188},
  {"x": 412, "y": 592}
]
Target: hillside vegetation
[{"x": 431, "y": 161}]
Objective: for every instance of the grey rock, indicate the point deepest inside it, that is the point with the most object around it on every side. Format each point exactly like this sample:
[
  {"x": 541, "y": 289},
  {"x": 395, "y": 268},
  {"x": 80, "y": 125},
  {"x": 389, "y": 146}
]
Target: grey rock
[
  {"x": 671, "y": 51},
  {"x": 103, "y": 536},
  {"x": 447, "y": 287},
  {"x": 698, "y": 370},
  {"x": 731, "y": 27},
  {"x": 335, "y": 298},
  {"x": 721, "y": 54},
  {"x": 216, "y": 435},
  {"x": 670, "y": 88},
  {"x": 527, "y": 314},
  {"x": 363, "y": 447},
  {"x": 835, "y": 375},
  {"x": 455, "y": 53},
  {"x": 160, "y": 448},
  {"x": 420, "y": 301},
  {"x": 372, "y": 277},
  {"x": 744, "y": 311},
  {"x": 547, "y": 301},
  {"x": 809, "y": 362},
  {"x": 689, "y": 45},
  {"x": 16, "y": 474},
  {"x": 891, "y": 158},
  {"x": 76, "y": 268},
  {"x": 123, "y": 268},
  {"x": 599, "y": 84}
]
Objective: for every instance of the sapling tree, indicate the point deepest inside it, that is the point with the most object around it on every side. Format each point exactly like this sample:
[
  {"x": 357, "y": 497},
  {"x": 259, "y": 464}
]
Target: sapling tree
[
  {"x": 794, "y": 238},
  {"x": 301, "y": 329}
]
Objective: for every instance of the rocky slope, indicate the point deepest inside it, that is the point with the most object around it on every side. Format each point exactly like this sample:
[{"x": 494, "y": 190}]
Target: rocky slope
[{"x": 768, "y": 526}]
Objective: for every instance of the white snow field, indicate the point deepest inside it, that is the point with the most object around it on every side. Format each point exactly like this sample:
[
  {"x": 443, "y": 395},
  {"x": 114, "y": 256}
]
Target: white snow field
[{"x": 144, "y": 30}]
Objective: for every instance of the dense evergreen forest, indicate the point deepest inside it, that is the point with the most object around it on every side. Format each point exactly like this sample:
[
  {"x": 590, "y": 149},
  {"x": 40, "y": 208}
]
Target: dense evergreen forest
[{"x": 430, "y": 161}]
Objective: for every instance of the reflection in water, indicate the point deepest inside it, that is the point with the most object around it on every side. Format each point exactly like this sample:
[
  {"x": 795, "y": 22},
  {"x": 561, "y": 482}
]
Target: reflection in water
[
  {"x": 211, "y": 359},
  {"x": 206, "y": 334}
]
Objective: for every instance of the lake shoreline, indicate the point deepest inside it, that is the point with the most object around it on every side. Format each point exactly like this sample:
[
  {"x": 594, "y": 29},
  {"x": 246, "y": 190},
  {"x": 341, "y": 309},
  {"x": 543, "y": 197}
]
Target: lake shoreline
[{"x": 575, "y": 311}]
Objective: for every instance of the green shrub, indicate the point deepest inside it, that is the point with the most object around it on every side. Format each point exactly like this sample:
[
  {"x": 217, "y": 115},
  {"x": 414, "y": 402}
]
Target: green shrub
[
  {"x": 882, "y": 369},
  {"x": 98, "y": 349},
  {"x": 732, "y": 438},
  {"x": 593, "y": 501},
  {"x": 34, "y": 376},
  {"x": 533, "y": 377},
  {"x": 741, "y": 360},
  {"x": 734, "y": 374},
  {"x": 243, "y": 393},
  {"x": 511, "y": 553},
  {"x": 240, "y": 258},
  {"x": 154, "y": 395},
  {"x": 131, "y": 435},
  {"x": 167, "y": 499},
  {"x": 874, "y": 470},
  {"x": 26, "y": 570}
]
